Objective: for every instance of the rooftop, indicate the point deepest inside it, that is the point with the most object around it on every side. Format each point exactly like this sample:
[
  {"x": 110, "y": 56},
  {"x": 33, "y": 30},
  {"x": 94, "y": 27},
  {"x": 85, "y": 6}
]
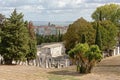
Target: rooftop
[{"x": 49, "y": 45}]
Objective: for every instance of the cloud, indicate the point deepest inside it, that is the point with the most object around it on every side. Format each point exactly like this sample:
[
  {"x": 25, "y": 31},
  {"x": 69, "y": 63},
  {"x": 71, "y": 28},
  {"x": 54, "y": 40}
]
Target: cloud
[
  {"x": 102, "y": 1},
  {"x": 52, "y": 9},
  {"x": 17, "y": 3}
]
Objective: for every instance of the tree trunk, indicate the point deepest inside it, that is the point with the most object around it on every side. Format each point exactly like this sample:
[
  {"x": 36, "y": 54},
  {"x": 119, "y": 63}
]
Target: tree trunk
[{"x": 84, "y": 68}]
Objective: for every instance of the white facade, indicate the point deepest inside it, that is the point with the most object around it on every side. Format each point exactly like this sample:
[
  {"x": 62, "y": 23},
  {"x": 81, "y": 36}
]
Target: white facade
[
  {"x": 52, "y": 55},
  {"x": 55, "y": 49}
]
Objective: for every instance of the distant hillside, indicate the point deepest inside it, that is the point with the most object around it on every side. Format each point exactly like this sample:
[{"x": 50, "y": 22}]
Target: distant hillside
[{"x": 60, "y": 23}]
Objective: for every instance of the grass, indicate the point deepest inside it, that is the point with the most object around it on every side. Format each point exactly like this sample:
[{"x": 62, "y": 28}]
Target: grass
[{"x": 53, "y": 77}]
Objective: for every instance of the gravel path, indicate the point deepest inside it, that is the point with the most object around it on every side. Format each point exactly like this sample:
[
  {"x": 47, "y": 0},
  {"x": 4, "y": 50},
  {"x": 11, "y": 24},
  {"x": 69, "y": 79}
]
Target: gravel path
[{"x": 107, "y": 69}]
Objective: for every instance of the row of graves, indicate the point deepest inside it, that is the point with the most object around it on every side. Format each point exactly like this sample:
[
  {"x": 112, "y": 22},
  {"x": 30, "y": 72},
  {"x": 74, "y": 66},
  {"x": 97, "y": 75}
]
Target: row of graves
[
  {"x": 52, "y": 55},
  {"x": 49, "y": 55},
  {"x": 114, "y": 52}
]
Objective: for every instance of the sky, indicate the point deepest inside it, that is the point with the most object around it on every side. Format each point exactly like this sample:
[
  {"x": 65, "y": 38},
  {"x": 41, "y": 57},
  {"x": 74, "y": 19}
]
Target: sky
[{"x": 53, "y": 10}]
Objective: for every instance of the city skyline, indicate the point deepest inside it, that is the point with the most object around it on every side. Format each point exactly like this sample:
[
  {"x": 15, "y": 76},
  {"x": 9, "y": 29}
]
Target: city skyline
[{"x": 53, "y": 10}]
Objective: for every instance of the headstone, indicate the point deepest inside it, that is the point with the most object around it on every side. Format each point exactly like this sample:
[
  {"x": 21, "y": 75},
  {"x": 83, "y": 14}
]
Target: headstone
[{"x": 118, "y": 50}]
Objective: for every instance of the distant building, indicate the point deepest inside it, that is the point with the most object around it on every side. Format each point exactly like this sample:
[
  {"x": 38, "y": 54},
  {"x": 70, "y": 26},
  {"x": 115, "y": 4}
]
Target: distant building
[
  {"x": 52, "y": 55},
  {"x": 50, "y": 30}
]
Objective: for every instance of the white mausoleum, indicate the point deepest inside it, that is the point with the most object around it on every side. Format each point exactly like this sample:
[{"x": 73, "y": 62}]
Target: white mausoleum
[{"x": 52, "y": 55}]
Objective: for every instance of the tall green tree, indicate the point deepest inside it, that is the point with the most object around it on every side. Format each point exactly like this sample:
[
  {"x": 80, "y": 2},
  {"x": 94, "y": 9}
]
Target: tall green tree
[
  {"x": 2, "y": 18},
  {"x": 48, "y": 38},
  {"x": 108, "y": 35},
  {"x": 109, "y": 12},
  {"x": 32, "y": 42},
  {"x": 109, "y": 18},
  {"x": 14, "y": 39},
  {"x": 85, "y": 57},
  {"x": 108, "y": 32},
  {"x": 83, "y": 39},
  {"x": 98, "y": 40},
  {"x": 75, "y": 32}
]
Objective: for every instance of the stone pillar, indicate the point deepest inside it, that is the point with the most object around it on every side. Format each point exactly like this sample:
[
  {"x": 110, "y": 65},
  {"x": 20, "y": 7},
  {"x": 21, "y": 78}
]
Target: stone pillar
[
  {"x": 37, "y": 62},
  {"x": 0, "y": 59},
  {"x": 114, "y": 52},
  {"x": 46, "y": 64},
  {"x": 26, "y": 63},
  {"x": 66, "y": 62},
  {"x": 118, "y": 51},
  {"x": 34, "y": 62},
  {"x": 49, "y": 63},
  {"x": 58, "y": 64},
  {"x": 20, "y": 63},
  {"x": 41, "y": 61}
]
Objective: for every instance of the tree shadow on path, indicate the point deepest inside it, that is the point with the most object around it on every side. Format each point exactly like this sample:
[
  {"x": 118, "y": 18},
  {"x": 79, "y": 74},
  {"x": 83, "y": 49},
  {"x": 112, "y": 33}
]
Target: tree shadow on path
[
  {"x": 66, "y": 72},
  {"x": 108, "y": 66}
]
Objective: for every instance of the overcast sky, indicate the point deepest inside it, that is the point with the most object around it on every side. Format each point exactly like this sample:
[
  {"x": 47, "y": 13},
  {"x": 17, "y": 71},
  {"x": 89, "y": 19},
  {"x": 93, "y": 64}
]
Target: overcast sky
[{"x": 53, "y": 10}]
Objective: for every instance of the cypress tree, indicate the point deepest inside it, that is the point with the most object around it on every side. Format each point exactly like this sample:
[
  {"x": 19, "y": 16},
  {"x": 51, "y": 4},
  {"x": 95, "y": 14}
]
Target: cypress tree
[
  {"x": 59, "y": 36},
  {"x": 98, "y": 40},
  {"x": 83, "y": 38}
]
